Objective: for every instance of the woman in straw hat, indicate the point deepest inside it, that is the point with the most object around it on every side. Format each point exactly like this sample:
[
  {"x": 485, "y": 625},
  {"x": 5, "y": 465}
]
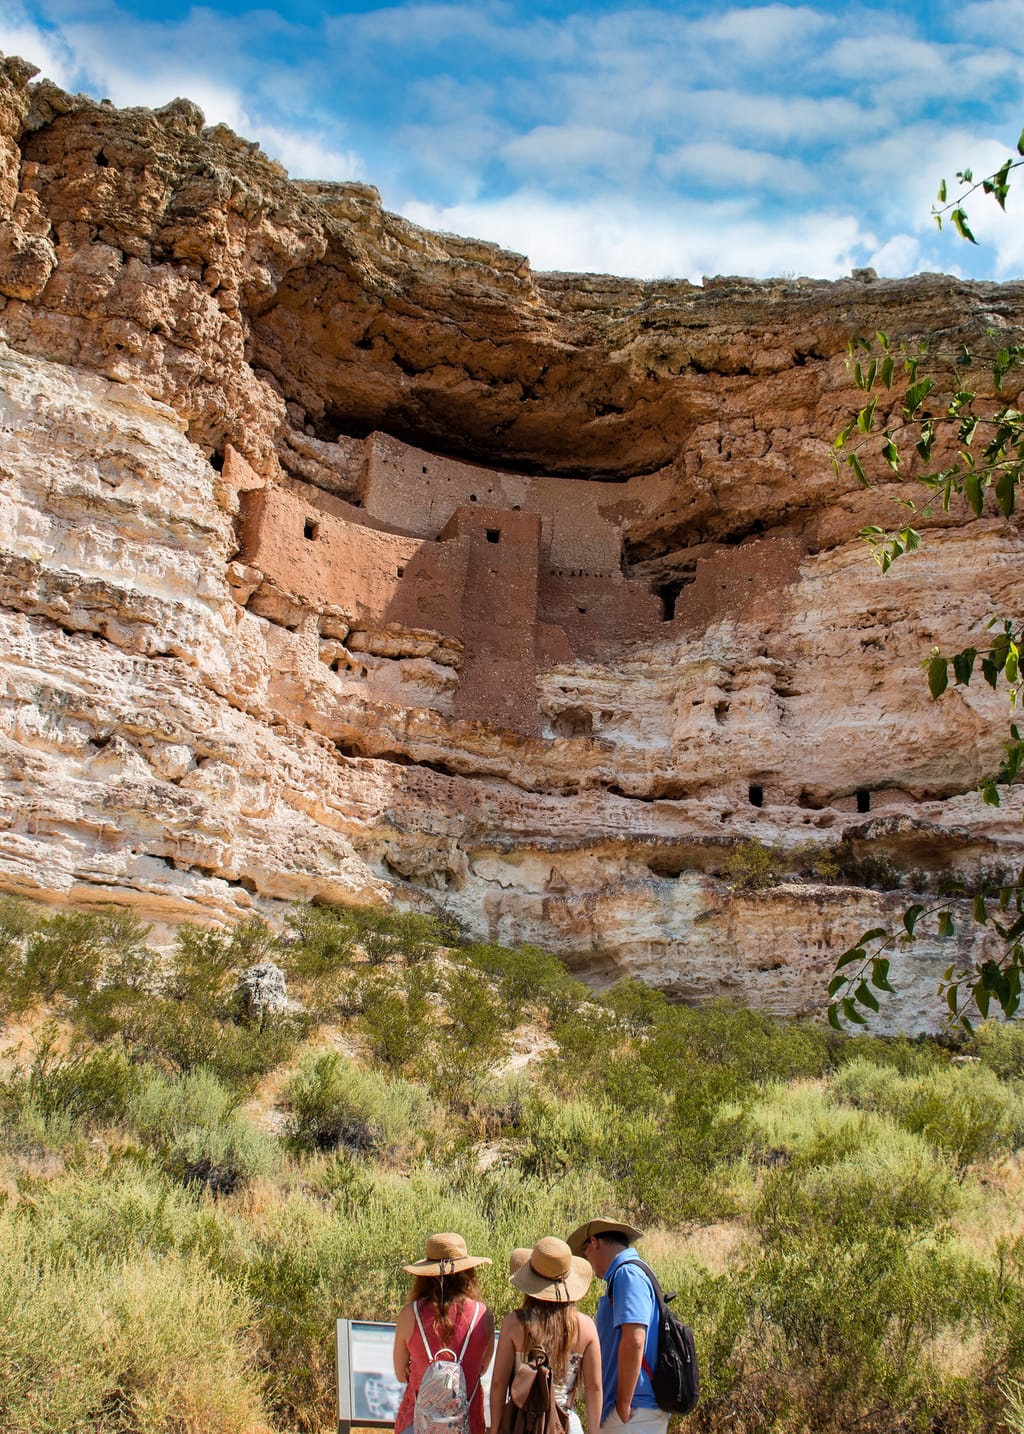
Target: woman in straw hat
[
  {"x": 444, "y": 1311},
  {"x": 552, "y": 1280}
]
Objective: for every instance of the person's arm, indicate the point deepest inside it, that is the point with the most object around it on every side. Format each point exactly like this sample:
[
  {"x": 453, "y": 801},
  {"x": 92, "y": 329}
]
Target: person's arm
[
  {"x": 403, "y": 1333},
  {"x": 504, "y": 1362},
  {"x": 488, "y": 1324},
  {"x": 593, "y": 1391},
  {"x": 631, "y": 1358}
]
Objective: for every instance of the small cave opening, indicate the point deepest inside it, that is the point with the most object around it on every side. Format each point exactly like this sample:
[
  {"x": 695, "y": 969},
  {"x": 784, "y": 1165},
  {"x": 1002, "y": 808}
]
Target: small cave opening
[
  {"x": 863, "y": 799},
  {"x": 494, "y": 535},
  {"x": 755, "y": 793},
  {"x": 217, "y": 460},
  {"x": 311, "y": 530}
]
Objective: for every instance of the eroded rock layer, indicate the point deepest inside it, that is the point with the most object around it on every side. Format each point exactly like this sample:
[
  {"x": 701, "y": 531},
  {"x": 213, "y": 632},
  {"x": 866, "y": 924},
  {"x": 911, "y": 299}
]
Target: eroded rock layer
[{"x": 342, "y": 560}]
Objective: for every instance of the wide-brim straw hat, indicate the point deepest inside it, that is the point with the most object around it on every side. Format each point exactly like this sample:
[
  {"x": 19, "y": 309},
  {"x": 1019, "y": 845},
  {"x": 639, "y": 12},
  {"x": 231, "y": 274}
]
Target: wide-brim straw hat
[
  {"x": 602, "y": 1226},
  {"x": 517, "y": 1258},
  {"x": 553, "y": 1273},
  {"x": 446, "y": 1255}
]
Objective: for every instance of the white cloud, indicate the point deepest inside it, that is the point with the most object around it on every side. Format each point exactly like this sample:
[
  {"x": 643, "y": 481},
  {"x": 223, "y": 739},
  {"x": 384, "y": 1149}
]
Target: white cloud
[
  {"x": 728, "y": 167},
  {"x": 763, "y": 30},
  {"x": 21, "y": 36},
  {"x": 681, "y": 241},
  {"x": 572, "y": 152},
  {"x": 306, "y": 156},
  {"x": 898, "y": 256}
]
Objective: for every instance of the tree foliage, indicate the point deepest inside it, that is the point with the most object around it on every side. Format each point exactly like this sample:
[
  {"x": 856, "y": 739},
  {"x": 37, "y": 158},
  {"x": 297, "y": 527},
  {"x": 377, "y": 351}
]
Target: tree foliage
[{"x": 946, "y": 426}]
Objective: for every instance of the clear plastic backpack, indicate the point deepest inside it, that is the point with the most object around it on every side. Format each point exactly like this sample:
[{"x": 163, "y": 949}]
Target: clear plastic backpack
[{"x": 442, "y": 1404}]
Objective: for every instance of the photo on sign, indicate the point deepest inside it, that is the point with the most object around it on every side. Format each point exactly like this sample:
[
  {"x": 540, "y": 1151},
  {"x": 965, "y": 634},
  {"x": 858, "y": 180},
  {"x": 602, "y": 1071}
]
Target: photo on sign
[{"x": 376, "y": 1393}]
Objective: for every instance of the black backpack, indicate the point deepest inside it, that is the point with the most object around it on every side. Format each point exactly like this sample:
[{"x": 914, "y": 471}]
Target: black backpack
[{"x": 674, "y": 1379}]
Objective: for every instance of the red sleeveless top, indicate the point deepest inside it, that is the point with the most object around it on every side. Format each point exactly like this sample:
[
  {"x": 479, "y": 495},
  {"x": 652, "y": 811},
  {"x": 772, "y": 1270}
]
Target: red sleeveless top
[{"x": 472, "y": 1361}]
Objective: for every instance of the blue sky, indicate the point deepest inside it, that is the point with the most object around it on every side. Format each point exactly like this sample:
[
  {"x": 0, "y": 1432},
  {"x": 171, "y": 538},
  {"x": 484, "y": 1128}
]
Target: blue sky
[{"x": 644, "y": 138}]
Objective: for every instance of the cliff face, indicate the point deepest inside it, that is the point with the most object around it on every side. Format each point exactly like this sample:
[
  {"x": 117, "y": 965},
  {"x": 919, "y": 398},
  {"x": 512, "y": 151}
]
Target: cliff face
[{"x": 344, "y": 560}]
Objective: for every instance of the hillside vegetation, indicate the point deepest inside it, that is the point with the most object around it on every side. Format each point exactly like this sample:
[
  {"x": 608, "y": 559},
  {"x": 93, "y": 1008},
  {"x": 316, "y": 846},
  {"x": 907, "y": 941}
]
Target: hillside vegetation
[{"x": 191, "y": 1192}]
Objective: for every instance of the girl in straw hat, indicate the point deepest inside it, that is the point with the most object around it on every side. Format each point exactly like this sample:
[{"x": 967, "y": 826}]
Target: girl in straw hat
[
  {"x": 444, "y": 1311},
  {"x": 552, "y": 1281}
]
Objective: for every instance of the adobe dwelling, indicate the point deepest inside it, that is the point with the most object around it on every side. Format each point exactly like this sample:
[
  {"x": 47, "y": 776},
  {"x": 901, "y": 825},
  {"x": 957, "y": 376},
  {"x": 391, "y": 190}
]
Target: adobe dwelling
[{"x": 497, "y": 575}]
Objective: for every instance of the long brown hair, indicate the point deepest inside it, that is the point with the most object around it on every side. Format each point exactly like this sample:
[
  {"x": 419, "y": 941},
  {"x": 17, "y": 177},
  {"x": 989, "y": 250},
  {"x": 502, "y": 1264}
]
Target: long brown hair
[
  {"x": 553, "y": 1326},
  {"x": 443, "y": 1291}
]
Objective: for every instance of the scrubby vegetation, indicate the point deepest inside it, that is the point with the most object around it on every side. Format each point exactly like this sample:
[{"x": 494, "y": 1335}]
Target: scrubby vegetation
[{"x": 194, "y": 1190}]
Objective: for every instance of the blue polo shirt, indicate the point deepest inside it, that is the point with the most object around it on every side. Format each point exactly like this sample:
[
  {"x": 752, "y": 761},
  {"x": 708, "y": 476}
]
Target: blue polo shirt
[{"x": 632, "y": 1302}]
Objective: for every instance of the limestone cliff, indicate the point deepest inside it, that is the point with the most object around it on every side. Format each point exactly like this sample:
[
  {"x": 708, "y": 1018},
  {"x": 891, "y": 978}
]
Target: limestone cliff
[{"x": 345, "y": 560}]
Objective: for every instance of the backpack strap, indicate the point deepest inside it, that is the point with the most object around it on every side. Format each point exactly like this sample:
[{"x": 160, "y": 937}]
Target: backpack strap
[
  {"x": 659, "y": 1300},
  {"x": 477, "y": 1311},
  {"x": 423, "y": 1333}
]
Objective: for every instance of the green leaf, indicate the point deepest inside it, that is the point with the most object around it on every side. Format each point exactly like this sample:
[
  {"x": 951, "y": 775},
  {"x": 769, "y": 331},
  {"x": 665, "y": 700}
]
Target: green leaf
[
  {"x": 990, "y": 793},
  {"x": 855, "y": 953},
  {"x": 942, "y": 187},
  {"x": 979, "y": 910},
  {"x": 873, "y": 934},
  {"x": 880, "y": 974},
  {"x": 851, "y": 1013},
  {"x": 946, "y": 927},
  {"x": 973, "y": 493},
  {"x": 938, "y": 675},
  {"x": 916, "y": 395},
  {"x": 910, "y": 917},
  {"x": 887, "y": 370},
  {"x": 981, "y": 999},
  {"x": 836, "y": 984},
  {"x": 1012, "y": 665},
  {"x": 858, "y": 468},
  {"x": 1006, "y": 492},
  {"x": 958, "y": 218},
  {"x": 833, "y": 1017},
  {"x": 866, "y": 996},
  {"x": 866, "y": 417},
  {"x": 1020, "y": 143},
  {"x": 963, "y": 665}
]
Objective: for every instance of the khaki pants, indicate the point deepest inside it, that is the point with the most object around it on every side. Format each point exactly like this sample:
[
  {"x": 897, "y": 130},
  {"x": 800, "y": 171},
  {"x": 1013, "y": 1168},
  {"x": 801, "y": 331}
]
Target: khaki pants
[{"x": 642, "y": 1421}]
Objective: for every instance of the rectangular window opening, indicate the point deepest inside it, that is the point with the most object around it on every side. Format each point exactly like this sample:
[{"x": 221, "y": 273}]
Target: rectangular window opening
[
  {"x": 311, "y": 529},
  {"x": 493, "y": 535}
]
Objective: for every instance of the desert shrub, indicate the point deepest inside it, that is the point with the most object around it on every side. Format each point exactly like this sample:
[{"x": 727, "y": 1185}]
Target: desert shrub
[
  {"x": 92, "y": 1086},
  {"x": 186, "y": 1036},
  {"x": 64, "y": 957},
  {"x": 752, "y": 866},
  {"x": 1000, "y": 1046},
  {"x": 795, "y": 1124},
  {"x": 893, "y": 1182},
  {"x": 398, "y": 1018},
  {"x": 158, "y": 1343},
  {"x": 474, "y": 1041},
  {"x": 555, "y": 1136},
  {"x": 528, "y": 980},
  {"x": 963, "y": 1110},
  {"x": 320, "y": 942},
  {"x": 193, "y": 1123},
  {"x": 332, "y": 1102},
  {"x": 387, "y": 935}
]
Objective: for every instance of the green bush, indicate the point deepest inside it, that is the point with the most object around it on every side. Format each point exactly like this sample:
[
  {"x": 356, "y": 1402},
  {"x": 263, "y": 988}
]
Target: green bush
[
  {"x": 96, "y": 1344},
  {"x": 332, "y": 1103},
  {"x": 192, "y": 1122},
  {"x": 1000, "y": 1047},
  {"x": 963, "y": 1110},
  {"x": 752, "y": 866}
]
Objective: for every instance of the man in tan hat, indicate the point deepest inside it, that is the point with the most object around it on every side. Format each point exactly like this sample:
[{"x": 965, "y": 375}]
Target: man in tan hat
[{"x": 627, "y": 1326}]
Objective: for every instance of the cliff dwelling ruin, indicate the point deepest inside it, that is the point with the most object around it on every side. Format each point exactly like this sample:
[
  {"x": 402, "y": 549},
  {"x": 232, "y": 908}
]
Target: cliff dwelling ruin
[{"x": 343, "y": 561}]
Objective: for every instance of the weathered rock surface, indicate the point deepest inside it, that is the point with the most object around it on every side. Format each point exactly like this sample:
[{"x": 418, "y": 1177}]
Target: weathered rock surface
[{"x": 342, "y": 560}]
